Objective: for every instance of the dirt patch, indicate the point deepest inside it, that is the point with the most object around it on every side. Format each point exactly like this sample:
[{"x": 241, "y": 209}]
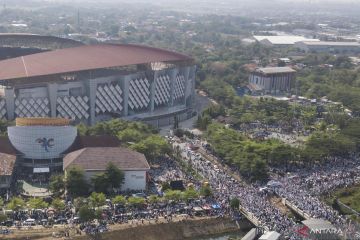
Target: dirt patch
[{"x": 276, "y": 202}]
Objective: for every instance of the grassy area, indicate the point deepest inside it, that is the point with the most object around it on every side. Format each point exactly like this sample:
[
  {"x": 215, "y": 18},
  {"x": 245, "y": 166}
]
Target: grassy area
[{"x": 349, "y": 196}]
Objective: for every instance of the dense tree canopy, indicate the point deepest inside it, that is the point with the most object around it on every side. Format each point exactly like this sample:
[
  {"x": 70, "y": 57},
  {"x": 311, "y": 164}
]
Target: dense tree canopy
[
  {"x": 76, "y": 184},
  {"x": 152, "y": 147}
]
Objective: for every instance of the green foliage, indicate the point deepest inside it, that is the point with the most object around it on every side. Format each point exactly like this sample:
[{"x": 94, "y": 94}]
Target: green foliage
[
  {"x": 152, "y": 147},
  {"x": 58, "y": 204},
  {"x": 174, "y": 195},
  {"x": 119, "y": 199},
  {"x": 206, "y": 191},
  {"x": 190, "y": 193},
  {"x": 86, "y": 214},
  {"x": 203, "y": 121},
  {"x": 100, "y": 182},
  {"x": 328, "y": 144},
  {"x": 97, "y": 199},
  {"x": 16, "y": 204},
  {"x": 76, "y": 184},
  {"x": 234, "y": 203},
  {"x": 37, "y": 203},
  {"x": 352, "y": 130},
  {"x": 282, "y": 154},
  {"x": 219, "y": 90},
  {"x": 341, "y": 84},
  {"x": 3, "y": 127},
  {"x": 79, "y": 202},
  {"x": 270, "y": 111},
  {"x": 116, "y": 127},
  {"x": 165, "y": 186},
  {"x": 136, "y": 201},
  {"x": 1, "y": 202},
  {"x": 98, "y": 214},
  {"x": 113, "y": 177},
  {"x": 57, "y": 185},
  {"x": 350, "y": 196},
  {"x": 154, "y": 199},
  {"x": 3, "y": 217},
  {"x": 251, "y": 157},
  {"x": 130, "y": 135}
]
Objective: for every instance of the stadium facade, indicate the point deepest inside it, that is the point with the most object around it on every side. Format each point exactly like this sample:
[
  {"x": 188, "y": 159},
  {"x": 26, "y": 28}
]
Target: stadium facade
[{"x": 92, "y": 83}]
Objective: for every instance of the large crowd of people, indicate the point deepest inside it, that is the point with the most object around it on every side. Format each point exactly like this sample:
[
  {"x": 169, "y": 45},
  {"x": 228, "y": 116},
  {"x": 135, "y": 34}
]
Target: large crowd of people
[
  {"x": 304, "y": 187},
  {"x": 251, "y": 199},
  {"x": 301, "y": 187}
]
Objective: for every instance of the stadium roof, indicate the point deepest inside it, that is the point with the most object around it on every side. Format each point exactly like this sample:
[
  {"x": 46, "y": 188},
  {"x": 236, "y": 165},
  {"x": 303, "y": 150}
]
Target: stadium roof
[
  {"x": 97, "y": 159},
  {"x": 88, "y": 57},
  {"x": 275, "y": 70},
  {"x": 283, "y": 40}
]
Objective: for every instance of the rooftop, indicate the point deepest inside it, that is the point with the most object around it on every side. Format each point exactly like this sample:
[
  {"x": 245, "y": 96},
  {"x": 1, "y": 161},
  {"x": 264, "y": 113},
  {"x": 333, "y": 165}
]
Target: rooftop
[
  {"x": 323, "y": 43},
  {"x": 97, "y": 158},
  {"x": 284, "y": 40},
  {"x": 88, "y": 57},
  {"x": 7, "y": 163},
  {"x": 42, "y": 122},
  {"x": 274, "y": 70},
  {"x": 93, "y": 141},
  {"x": 6, "y": 146}
]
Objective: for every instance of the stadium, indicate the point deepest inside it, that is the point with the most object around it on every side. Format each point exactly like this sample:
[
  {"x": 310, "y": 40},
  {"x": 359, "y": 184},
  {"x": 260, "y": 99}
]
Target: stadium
[{"x": 55, "y": 77}]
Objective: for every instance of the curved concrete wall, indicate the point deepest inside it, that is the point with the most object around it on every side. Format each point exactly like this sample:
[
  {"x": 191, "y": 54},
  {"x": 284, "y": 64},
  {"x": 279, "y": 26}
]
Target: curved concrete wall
[{"x": 42, "y": 142}]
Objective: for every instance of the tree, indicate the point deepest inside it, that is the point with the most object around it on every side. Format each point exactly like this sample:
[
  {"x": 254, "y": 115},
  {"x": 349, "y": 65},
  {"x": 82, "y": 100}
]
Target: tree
[
  {"x": 176, "y": 122},
  {"x": 115, "y": 176},
  {"x": 154, "y": 199},
  {"x": 16, "y": 204},
  {"x": 174, "y": 195},
  {"x": 119, "y": 199},
  {"x": 165, "y": 186},
  {"x": 37, "y": 203},
  {"x": 58, "y": 204},
  {"x": 130, "y": 135},
  {"x": 97, "y": 199},
  {"x": 281, "y": 155},
  {"x": 99, "y": 214},
  {"x": 190, "y": 193},
  {"x": 3, "y": 217},
  {"x": 136, "y": 201},
  {"x": 79, "y": 202},
  {"x": 76, "y": 184},
  {"x": 331, "y": 144},
  {"x": 234, "y": 203},
  {"x": 152, "y": 147},
  {"x": 112, "y": 178},
  {"x": 206, "y": 191},
  {"x": 100, "y": 182},
  {"x": 86, "y": 214},
  {"x": 57, "y": 185}
]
